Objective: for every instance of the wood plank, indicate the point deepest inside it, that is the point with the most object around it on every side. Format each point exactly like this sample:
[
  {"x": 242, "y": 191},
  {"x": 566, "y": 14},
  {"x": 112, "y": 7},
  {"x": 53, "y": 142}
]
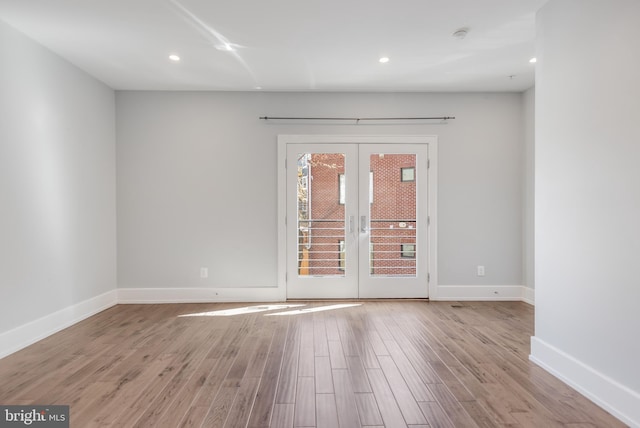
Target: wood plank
[
  {"x": 326, "y": 411},
  {"x": 193, "y": 354},
  {"x": 324, "y": 378},
  {"x": 418, "y": 360},
  {"x": 306, "y": 362},
  {"x": 500, "y": 406},
  {"x": 412, "y": 378},
  {"x": 194, "y": 417},
  {"x": 305, "y": 406},
  {"x": 336, "y": 355},
  {"x": 348, "y": 340},
  {"x": 320, "y": 345},
  {"x": 258, "y": 359},
  {"x": 241, "y": 409},
  {"x": 241, "y": 363},
  {"x": 387, "y": 404},
  {"x": 282, "y": 416},
  {"x": 31, "y": 387},
  {"x": 368, "y": 410},
  {"x": 481, "y": 417},
  {"x": 331, "y": 327},
  {"x": 345, "y": 399},
  {"x": 180, "y": 406},
  {"x": 214, "y": 381},
  {"x": 377, "y": 344},
  {"x": 359, "y": 378},
  {"x": 455, "y": 386},
  {"x": 401, "y": 392},
  {"x": 451, "y": 406},
  {"x": 129, "y": 406},
  {"x": 534, "y": 420},
  {"x": 119, "y": 392},
  {"x": 288, "y": 379},
  {"x": 436, "y": 417},
  {"x": 264, "y": 404},
  {"x": 219, "y": 409}
]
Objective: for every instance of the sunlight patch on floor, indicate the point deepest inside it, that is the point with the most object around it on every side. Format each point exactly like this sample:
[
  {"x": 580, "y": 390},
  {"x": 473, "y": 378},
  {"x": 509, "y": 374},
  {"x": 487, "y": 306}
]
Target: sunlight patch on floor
[
  {"x": 315, "y": 309},
  {"x": 241, "y": 311}
]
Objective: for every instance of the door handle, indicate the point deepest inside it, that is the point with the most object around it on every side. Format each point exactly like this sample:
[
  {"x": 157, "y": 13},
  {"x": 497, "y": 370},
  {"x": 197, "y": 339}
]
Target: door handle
[
  {"x": 363, "y": 224},
  {"x": 351, "y": 221}
]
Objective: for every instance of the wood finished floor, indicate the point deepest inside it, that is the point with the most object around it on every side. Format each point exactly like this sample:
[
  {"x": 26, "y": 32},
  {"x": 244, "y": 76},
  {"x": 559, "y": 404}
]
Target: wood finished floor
[{"x": 378, "y": 364}]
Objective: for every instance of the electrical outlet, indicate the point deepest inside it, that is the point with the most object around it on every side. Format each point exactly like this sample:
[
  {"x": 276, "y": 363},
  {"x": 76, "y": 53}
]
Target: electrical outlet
[
  {"x": 204, "y": 272},
  {"x": 480, "y": 270}
]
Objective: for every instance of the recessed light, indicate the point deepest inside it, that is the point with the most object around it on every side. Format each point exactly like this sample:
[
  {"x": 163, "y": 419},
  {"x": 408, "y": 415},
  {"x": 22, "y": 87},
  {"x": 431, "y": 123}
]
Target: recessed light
[
  {"x": 384, "y": 60},
  {"x": 533, "y": 60},
  {"x": 175, "y": 58}
]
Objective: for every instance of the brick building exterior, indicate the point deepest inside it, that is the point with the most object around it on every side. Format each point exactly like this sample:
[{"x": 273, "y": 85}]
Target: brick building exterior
[{"x": 322, "y": 214}]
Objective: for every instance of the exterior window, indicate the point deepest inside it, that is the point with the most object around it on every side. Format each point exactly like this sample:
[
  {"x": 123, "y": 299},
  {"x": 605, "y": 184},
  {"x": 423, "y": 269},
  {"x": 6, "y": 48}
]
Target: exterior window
[
  {"x": 341, "y": 255},
  {"x": 370, "y": 187},
  {"x": 408, "y": 251},
  {"x": 408, "y": 174}
]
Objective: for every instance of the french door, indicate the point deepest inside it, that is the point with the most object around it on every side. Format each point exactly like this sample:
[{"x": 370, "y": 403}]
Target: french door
[{"x": 357, "y": 220}]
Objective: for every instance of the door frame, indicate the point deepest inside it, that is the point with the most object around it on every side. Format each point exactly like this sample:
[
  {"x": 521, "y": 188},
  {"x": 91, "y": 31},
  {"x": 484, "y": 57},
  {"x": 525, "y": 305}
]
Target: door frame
[{"x": 432, "y": 199}]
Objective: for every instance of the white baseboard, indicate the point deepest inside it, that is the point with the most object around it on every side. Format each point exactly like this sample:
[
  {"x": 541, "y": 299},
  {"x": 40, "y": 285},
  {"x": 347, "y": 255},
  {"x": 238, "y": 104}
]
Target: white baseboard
[
  {"x": 20, "y": 337},
  {"x": 529, "y": 295},
  {"x": 275, "y": 294},
  {"x": 516, "y": 293},
  {"x": 199, "y": 295},
  {"x": 612, "y": 396}
]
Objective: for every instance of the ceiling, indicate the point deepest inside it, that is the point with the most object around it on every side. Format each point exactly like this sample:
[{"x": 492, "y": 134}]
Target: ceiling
[{"x": 289, "y": 45}]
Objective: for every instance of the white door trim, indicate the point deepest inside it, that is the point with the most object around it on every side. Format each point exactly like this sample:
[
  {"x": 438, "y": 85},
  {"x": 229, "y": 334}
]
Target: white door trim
[{"x": 284, "y": 140}]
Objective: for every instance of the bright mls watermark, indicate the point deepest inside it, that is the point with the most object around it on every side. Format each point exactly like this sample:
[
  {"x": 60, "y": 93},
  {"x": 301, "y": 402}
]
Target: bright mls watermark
[{"x": 34, "y": 416}]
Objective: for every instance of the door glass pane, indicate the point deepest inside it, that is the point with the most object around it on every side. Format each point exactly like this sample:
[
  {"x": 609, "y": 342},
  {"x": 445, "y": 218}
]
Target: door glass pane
[
  {"x": 392, "y": 228},
  {"x": 321, "y": 214}
]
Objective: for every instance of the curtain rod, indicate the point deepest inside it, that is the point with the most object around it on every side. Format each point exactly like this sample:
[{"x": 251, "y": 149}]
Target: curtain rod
[{"x": 357, "y": 119}]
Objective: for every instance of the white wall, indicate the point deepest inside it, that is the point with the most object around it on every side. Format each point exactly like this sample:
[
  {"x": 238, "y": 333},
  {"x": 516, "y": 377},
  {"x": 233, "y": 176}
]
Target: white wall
[
  {"x": 588, "y": 199},
  {"x": 528, "y": 187},
  {"x": 57, "y": 190},
  {"x": 197, "y": 181}
]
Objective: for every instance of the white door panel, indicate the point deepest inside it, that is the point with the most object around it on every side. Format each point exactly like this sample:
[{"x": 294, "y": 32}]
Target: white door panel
[
  {"x": 393, "y": 210},
  {"x": 321, "y": 211}
]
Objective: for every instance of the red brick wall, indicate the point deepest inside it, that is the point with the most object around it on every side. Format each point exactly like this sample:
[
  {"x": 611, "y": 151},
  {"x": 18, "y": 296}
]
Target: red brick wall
[{"x": 393, "y": 199}]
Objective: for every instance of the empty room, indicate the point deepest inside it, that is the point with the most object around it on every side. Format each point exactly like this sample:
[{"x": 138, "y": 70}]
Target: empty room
[{"x": 319, "y": 214}]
